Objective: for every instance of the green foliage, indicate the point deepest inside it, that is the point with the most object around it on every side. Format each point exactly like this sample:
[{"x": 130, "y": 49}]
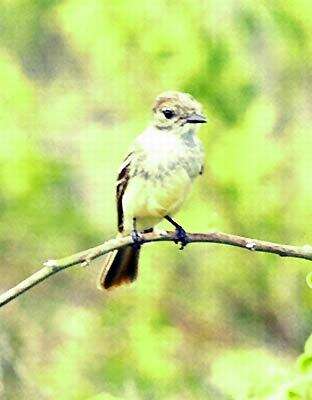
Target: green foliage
[
  {"x": 249, "y": 374},
  {"x": 257, "y": 374},
  {"x": 77, "y": 82}
]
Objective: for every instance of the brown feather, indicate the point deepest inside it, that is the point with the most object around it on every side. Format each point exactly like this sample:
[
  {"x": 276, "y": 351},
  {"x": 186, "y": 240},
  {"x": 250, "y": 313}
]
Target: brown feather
[
  {"x": 120, "y": 266},
  {"x": 122, "y": 183}
]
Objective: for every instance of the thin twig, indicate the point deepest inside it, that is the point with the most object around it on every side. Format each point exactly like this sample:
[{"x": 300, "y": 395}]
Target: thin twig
[{"x": 83, "y": 258}]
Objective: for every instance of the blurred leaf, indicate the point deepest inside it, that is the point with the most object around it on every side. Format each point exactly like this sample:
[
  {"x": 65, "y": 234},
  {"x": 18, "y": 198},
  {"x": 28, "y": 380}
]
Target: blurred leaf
[{"x": 252, "y": 374}]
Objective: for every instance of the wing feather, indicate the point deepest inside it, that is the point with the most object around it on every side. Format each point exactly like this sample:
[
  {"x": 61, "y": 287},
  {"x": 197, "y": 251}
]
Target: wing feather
[{"x": 122, "y": 183}]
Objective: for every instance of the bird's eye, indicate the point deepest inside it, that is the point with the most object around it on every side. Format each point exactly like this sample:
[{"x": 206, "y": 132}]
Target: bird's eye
[{"x": 168, "y": 113}]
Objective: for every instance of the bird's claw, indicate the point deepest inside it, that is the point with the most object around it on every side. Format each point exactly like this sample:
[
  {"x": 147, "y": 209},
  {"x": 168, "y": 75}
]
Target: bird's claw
[
  {"x": 137, "y": 239},
  {"x": 181, "y": 236}
]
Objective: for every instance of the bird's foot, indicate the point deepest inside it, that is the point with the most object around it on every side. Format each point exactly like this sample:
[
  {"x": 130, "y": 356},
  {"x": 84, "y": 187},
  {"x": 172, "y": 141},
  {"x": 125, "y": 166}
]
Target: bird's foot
[
  {"x": 137, "y": 239},
  {"x": 181, "y": 236}
]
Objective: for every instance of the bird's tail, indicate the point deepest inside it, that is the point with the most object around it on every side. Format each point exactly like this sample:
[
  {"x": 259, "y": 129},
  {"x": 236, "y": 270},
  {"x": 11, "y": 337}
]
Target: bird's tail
[{"x": 120, "y": 266}]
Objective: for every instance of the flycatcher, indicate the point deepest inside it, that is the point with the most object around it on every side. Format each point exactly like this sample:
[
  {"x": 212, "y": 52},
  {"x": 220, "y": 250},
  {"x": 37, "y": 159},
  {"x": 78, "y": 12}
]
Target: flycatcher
[{"x": 154, "y": 180}]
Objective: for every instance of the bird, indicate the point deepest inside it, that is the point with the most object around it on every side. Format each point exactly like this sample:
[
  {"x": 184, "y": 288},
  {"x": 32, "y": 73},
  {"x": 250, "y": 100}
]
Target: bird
[{"x": 155, "y": 179}]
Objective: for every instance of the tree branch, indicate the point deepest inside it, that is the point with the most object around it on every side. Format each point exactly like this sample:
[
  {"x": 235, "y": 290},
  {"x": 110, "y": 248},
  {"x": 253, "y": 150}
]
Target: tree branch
[{"x": 84, "y": 258}]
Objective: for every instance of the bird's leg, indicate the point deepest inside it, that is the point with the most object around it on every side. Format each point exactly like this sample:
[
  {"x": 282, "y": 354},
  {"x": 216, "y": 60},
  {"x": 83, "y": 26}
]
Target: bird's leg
[
  {"x": 136, "y": 237},
  {"x": 181, "y": 235}
]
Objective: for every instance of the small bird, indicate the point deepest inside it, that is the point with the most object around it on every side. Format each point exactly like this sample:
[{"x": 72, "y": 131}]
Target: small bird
[{"x": 154, "y": 179}]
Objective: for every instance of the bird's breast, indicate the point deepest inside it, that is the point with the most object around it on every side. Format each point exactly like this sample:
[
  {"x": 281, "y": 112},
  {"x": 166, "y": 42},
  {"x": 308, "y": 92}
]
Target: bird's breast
[
  {"x": 149, "y": 198},
  {"x": 162, "y": 175},
  {"x": 162, "y": 155}
]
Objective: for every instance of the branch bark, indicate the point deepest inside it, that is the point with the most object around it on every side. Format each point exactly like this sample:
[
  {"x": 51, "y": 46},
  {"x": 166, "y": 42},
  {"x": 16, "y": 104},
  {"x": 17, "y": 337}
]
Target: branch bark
[{"x": 84, "y": 258}]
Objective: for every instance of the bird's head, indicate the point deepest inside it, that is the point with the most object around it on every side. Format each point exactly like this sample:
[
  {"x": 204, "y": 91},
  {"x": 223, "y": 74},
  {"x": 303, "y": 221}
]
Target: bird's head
[{"x": 177, "y": 112}]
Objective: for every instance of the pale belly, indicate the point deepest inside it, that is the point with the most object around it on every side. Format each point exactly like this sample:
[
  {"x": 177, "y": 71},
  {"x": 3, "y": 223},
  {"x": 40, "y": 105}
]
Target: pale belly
[{"x": 150, "y": 200}]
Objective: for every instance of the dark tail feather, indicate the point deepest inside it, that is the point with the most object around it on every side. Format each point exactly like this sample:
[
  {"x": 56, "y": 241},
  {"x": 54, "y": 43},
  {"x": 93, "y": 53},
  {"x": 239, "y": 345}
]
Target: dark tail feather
[{"x": 120, "y": 266}]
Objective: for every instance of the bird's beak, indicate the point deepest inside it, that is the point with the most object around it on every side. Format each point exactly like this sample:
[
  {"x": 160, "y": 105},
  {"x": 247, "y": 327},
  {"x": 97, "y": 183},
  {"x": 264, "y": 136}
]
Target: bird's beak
[{"x": 196, "y": 119}]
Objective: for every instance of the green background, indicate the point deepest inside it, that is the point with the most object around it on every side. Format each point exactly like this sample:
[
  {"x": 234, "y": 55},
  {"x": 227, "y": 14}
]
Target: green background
[{"x": 78, "y": 79}]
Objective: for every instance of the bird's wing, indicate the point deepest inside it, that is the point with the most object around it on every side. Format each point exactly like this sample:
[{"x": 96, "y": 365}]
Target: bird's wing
[{"x": 121, "y": 185}]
